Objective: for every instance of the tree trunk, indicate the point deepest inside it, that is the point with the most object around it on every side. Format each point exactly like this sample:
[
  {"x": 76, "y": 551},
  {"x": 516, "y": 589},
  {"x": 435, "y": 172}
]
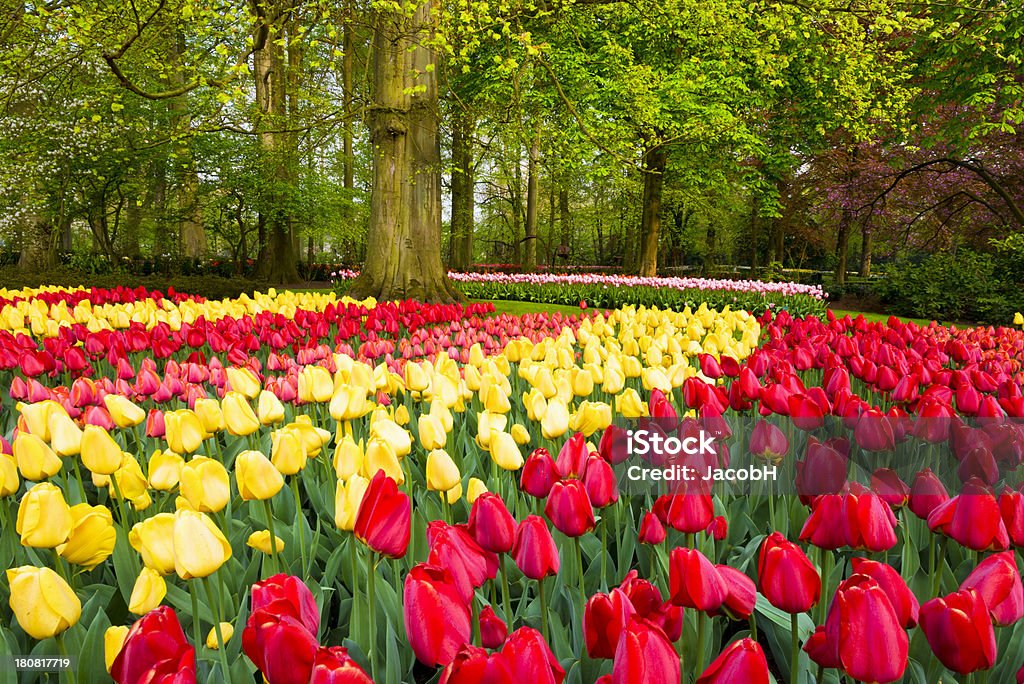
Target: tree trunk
[
  {"x": 463, "y": 188},
  {"x": 598, "y": 219},
  {"x": 38, "y": 244},
  {"x": 843, "y": 245},
  {"x": 517, "y": 207},
  {"x": 711, "y": 250},
  {"x": 655, "y": 161},
  {"x": 132, "y": 228},
  {"x": 755, "y": 236},
  {"x": 564, "y": 219},
  {"x": 865, "y": 250},
  {"x": 403, "y": 252},
  {"x": 347, "y": 65},
  {"x": 191, "y": 232},
  {"x": 532, "y": 199}
]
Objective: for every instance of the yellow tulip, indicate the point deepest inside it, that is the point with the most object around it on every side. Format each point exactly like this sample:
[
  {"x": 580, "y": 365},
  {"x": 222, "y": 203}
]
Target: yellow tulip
[
  {"x": 149, "y": 591},
  {"x": 313, "y": 438},
  {"x": 440, "y": 410},
  {"x": 65, "y": 436},
  {"x": 165, "y": 470},
  {"x": 535, "y": 403},
  {"x": 36, "y": 460},
  {"x": 205, "y": 484},
  {"x": 452, "y": 495},
  {"x": 544, "y": 382},
  {"x": 486, "y": 422},
  {"x": 472, "y": 378},
  {"x": 380, "y": 455},
  {"x": 442, "y": 473},
  {"x": 269, "y": 408},
  {"x": 348, "y": 403},
  {"x": 315, "y": 384},
  {"x": 520, "y": 434},
  {"x": 416, "y": 379},
  {"x": 244, "y": 381},
  {"x": 261, "y": 542},
  {"x": 100, "y": 453},
  {"x": 555, "y": 422},
  {"x": 123, "y": 412},
  {"x": 113, "y": 642},
  {"x": 614, "y": 381},
  {"x": 287, "y": 452},
  {"x": 210, "y": 415},
  {"x": 348, "y": 496},
  {"x": 226, "y": 632},
  {"x": 582, "y": 382},
  {"x": 493, "y": 399},
  {"x": 131, "y": 482},
  {"x": 402, "y": 415},
  {"x": 395, "y": 435},
  {"x": 9, "y": 480},
  {"x": 92, "y": 536},
  {"x": 256, "y": 476},
  {"x": 475, "y": 488},
  {"x": 42, "y": 601},
  {"x": 183, "y": 431},
  {"x": 239, "y": 417},
  {"x": 630, "y": 405},
  {"x": 37, "y": 416},
  {"x": 348, "y": 458},
  {"x": 432, "y": 433},
  {"x": 590, "y": 417},
  {"x": 200, "y": 548},
  {"x": 44, "y": 518},
  {"x": 631, "y": 367},
  {"x": 1018, "y": 318},
  {"x": 153, "y": 539},
  {"x": 505, "y": 451}
]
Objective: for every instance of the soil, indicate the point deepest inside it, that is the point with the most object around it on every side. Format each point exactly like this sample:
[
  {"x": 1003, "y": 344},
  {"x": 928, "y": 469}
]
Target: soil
[{"x": 852, "y": 302}]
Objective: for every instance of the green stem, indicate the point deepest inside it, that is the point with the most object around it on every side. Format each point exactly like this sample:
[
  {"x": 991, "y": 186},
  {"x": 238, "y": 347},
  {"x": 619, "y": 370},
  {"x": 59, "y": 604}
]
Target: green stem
[
  {"x": 355, "y": 622},
  {"x": 221, "y": 645},
  {"x": 197, "y": 632},
  {"x": 58, "y": 564},
  {"x": 269, "y": 512},
  {"x": 937, "y": 571},
  {"x": 579, "y": 568},
  {"x": 504, "y": 591},
  {"x": 62, "y": 648},
  {"x": 300, "y": 521},
  {"x": 604, "y": 553},
  {"x": 826, "y": 570},
  {"x": 794, "y": 663},
  {"x": 371, "y": 650},
  {"x": 702, "y": 625},
  {"x": 753, "y": 627},
  {"x": 543, "y": 609},
  {"x": 476, "y": 620},
  {"x": 78, "y": 476}
]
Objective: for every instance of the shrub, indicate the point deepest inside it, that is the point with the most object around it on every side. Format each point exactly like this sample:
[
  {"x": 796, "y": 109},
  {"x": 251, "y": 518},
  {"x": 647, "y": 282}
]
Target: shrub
[{"x": 210, "y": 287}]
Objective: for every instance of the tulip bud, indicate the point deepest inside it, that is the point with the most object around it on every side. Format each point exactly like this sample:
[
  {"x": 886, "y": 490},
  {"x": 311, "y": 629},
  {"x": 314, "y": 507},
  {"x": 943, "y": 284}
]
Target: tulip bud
[
  {"x": 741, "y": 661},
  {"x": 959, "y": 630},
  {"x": 269, "y": 409},
  {"x": 534, "y": 551},
  {"x": 42, "y": 601},
  {"x": 260, "y": 540},
  {"x": 44, "y": 518},
  {"x": 210, "y": 415},
  {"x": 200, "y": 548},
  {"x": 165, "y": 470},
  {"x": 36, "y": 460},
  {"x": 520, "y": 434},
  {"x": 239, "y": 417},
  {"x": 183, "y": 431},
  {"x": 123, "y": 412},
  {"x": 149, "y": 591},
  {"x": 384, "y": 517},
  {"x": 213, "y": 639},
  {"x": 153, "y": 539},
  {"x": 92, "y": 536},
  {"x": 100, "y": 453},
  {"x": 491, "y": 524},
  {"x": 504, "y": 451},
  {"x": 256, "y": 476},
  {"x": 113, "y": 641},
  {"x": 431, "y": 432},
  {"x": 786, "y": 576},
  {"x": 493, "y": 630},
  {"x": 694, "y": 582},
  {"x": 568, "y": 508},
  {"x": 348, "y": 458},
  {"x": 205, "y": 484},
  {"x": 348, "y": 497},
  {"x": 539, "y": 474},
  {"x": 475, "y": 489}
]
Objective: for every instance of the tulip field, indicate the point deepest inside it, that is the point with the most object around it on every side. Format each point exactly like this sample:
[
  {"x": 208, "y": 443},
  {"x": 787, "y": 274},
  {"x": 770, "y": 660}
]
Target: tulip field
[{"x": 300, "y": 488}]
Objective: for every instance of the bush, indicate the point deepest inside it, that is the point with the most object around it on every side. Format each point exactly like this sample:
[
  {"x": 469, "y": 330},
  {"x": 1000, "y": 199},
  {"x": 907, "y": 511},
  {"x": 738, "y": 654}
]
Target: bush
[
  {"x": 210, "y": 287},
  {"x": 965, "y": 286}
]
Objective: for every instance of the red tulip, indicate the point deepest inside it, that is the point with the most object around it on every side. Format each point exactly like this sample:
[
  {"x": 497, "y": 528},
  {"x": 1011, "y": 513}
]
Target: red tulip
[
  {"x": 539, "y": 474},
  {"x": 384, "y": 518},
  {"x": 892, "y": 583},
  {"x": 491, "y": 525},
  {"x": 644, "y": 655},
  {"x": 613, "y": 445},
  {"x": 972, "y": 518},
  {"x": 823, "y": 471},
  {"x": 688, "y": 513},
  {"x": 156, "y": 651},
  {"x": 531, "y": 659},
  {"x": 709, "y": 366},
  {"x": 959, "y": 631},
  {"x": 437, "y": 620},
  {"x": 535, "y": 552},
  {"x": 604, "y": 618},
  {"x": 694, "y": 582},
  {"x": 719, "y": 528},
  {"x": 742, "y": 661},
  {"x": 493, "y": 629},
  {"x": 452, "y": 548},
  {"x": 473, "y": 664},
  {"x": 334, "y": 666},
  {"x": 807, "y": 414},
  {"x": 572, "y": 457},
  {"x": 887, "y": 484},
  {"x": 280, "y": 646},
  {"x": 288, "y": 595},
  {"x": 741, "y": 594},
  {"x": 768, "y": 441},
  {"x": 568, "y": 508},
  {"x": 874, "y": 431},
  {"x": 997, "y": 581},
  {"x": 599, "y": 481},
  {"x": 1011, "y": 507},
  {"x": 647, "y": 601},
  {"x": 651, "y": 530},
  {"x": 786, "y": 576},
  {"x": 926, "y": 493}
]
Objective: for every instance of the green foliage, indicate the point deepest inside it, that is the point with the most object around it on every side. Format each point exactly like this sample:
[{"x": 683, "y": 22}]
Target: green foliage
[
  {"x": 961, "y": 286},
  {"x": 210, "y": 287}
]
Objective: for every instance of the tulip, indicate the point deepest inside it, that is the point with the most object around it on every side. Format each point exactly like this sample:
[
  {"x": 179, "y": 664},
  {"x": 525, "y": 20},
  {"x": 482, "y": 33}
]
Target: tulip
[
  {"x": 37, "y": 417},
  {"x": 393, "y": 435},
  {"x": 891, "y": 582},
  {"x": 689, "y": 513},
  {"x": 431, "y": 432},
  {"x": 334, "y": 665},
  {"x": 113, "y": 642},
  {"x": 269, "y": 408},
  {"x": 123, "y": 412},
  {"x": 972, "y": 518},
  {"x": 348, "y": 496},
  {"x": 959, "y": 631},
  {"x": 998, "y": 582},
  {"x": 36, "y": 460},
  {"x": 630, "y": 405},
  {"x": 651, "y": 530},
  {"x": 475, "y": 489},
  {"x": 92, "y": 536},
  {"x": 283, "y": 594},
  {"x": 129, "y": 483},
  {"x": 767, "y": 441},
  {"x": 926, "y": 494},
  {"x": 256, "y": 476},
  {"x": 42, "y": 601},
  {"x": 555, "y": 422},
  {"x": 786, "y": 576},
  {"x": 1011, "y": 507},
  {"x": 441, "y": 472},
  {"x": 10, "y": 483},
  {"x": 694, "y": 582},
  {"x": 65, "y": 436},
  {"x": 384, "y": 518},
  {"x": 243, "y": 381},
  {"x": 153, "y": 539},
  {"x": 741, "y": 661},
  {"x": 452, "y": 548},
  {"x": 226, "y": 632},
  {"x": 520, "y": 434},
  {"x": 539, "y": 474},
  {"x": 531, "y": 658},
  {"x": 568, "y": 508},
  {"x": 44, "y": 518},
  {"x": 200, "y": 548},
  {"x": 644, "y": 655},
  {"x": 599, "y": 481},
  {"x": 493, "y": 630},
  {"x": 280, "y": 646},
  {"x": 604, "y": 618},
  {"x": 741, "y": 594},
  {"x": 155, "y": 650},
  {"x": 472, "y": 664},
  {"x": 437, "y": 620},
  {"x": 315, "y": 384},
  {"x": 165, "y": 470},
  {"x": 239, "y": 418},
  {"x": 491, "y": 524},
  {"x": 348, "y": 457},
  {"x": 148, "y": 592},
  {"x": 504, "y": 451},
  {"x": 183, "y": 431},
  {"x": 210, "y": 415},
  {"x": 534, "y": 551},
  {"x": 719, "y": 528},
  {"x": 205, "y": 484},
  {"x": 348, "y": 403},
  {"x": 260, "y": 540}
]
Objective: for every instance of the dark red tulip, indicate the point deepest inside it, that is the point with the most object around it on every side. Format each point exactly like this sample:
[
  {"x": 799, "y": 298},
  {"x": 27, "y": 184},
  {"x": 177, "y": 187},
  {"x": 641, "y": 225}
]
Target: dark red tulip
[
  {"x": 719, "y": 528},
  {"x": 874, "y": 431},
  {"x": 926, "y": 493},
  {"x": 786, "y": 576},
  {"x": 644, "y": 655},
  {"x": 472, "y": 664},
  {"x": 647, "y": 601},
  {"x": 613, "y": 446},
  {"x": 827, "y": 526},
  {"x": 934, "y": 419},
  {"x": 822, "y": 471},
  {"x": 661, "y": 408},
  {"x": 887, "y": 484},
  {"x": 972, "y": 518},
  {"x": 155, "y": 650},
  {"x": 335, "y": 666},
  {"x": 491, "y": 524},
  {"x": 384, "y": 518},
  {"x": 1011, "y": 507},
  {"x": 741, "y": 594},
  {"x": 694, "y": 581},
  {"x": 892, "y": 583},
  {"x": 493, "y": 629},
  {"x": 283, "y": 594},
  {"x": 535, "y": 552},
  {"x": 806, "y": 413},
  {"x": 568, "y": 508},
  {"x": 539, "y": 474},
  {"x": 572, "y": 457},
  {"x": 959, "y": 631},
  {"x": 997, "y": 581},
  {"x": 651, "y": 530},
  {"x": 280, "y": 646},
  {"x": 742, "y": 661},
  {"x": 688, "y": 513},
  {"x": 768, "y": 441},
  {"x": 452, "y": 548},
  {"x": 604, "y": 618},
  {"x": 531, "y": 659},
  {"x": 599, "y": 482},
  {"x": 437, "y": 620},
  {"x": 709, "y": 366}
]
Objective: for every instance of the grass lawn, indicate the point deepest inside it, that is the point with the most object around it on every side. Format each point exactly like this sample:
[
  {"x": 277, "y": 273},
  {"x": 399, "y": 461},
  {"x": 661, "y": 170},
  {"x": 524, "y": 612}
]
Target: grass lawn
[{"x": 877, "y": 317}]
